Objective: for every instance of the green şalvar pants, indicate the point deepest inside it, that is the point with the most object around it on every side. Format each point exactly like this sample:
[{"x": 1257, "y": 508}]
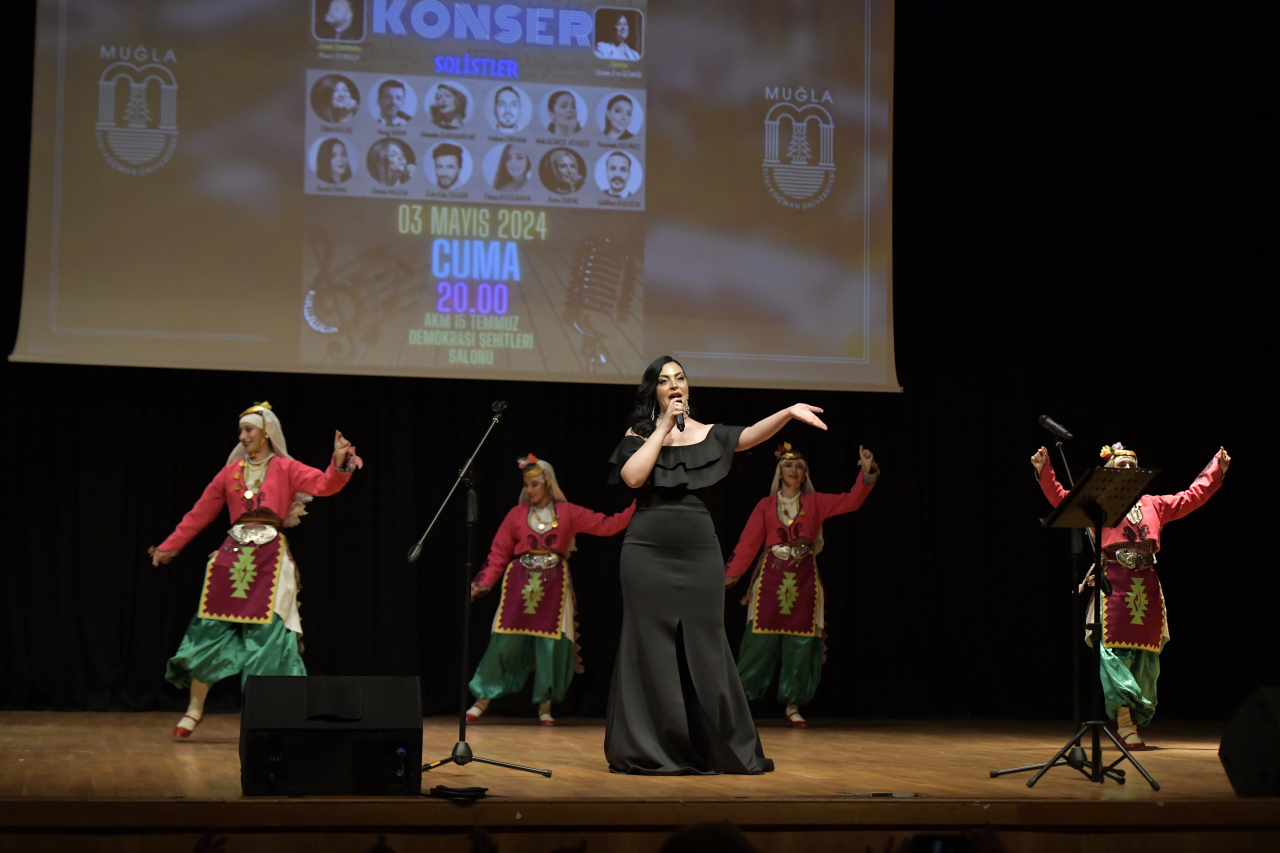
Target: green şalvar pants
[
  {"x": 508, "y": 659},
  {"x": 212, "y": 650},
  {"x": 801, "y": 665},
  {"x": 1129, "y": 680}
]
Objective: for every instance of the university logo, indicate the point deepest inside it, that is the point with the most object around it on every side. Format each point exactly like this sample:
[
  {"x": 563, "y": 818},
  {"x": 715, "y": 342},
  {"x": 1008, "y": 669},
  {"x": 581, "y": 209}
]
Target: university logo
[
  {"x": 799, "y": 158},
  {"x": 137, "y": 114}
]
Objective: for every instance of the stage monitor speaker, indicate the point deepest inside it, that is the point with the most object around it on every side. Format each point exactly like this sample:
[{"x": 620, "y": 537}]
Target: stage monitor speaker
[
  {"x": 331, "y": 735},
  {"x": 1250, "y": 750}
]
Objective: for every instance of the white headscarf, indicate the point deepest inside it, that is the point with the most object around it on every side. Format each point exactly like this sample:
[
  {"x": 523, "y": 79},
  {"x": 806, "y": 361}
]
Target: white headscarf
[
  {"x": 261, "y": 416},
  {"x": 548, "y": 476},
  {"x": 264, "y": 419},
  {"x": 806, "y": 488}
]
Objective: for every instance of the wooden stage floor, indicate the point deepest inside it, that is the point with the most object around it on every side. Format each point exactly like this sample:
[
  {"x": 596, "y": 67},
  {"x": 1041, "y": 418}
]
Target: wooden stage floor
[{"x": 123, "y": 772}]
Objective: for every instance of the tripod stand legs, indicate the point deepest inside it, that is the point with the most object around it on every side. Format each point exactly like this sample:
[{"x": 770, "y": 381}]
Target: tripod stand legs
[
  {"x": 1095, "y": 771},
  {"x": 462, "y": 755},
  {"x": 546, "y": 773}
]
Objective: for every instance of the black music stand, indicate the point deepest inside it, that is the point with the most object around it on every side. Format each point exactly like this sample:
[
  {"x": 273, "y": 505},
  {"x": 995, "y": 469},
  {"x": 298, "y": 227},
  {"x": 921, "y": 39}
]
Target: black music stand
[{"x": 1101, "y": 499}]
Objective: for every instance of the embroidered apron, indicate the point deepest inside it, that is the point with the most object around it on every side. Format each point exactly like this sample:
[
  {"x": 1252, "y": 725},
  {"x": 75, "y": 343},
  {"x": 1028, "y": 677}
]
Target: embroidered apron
[
  {"x": 241, "y": 576},
  {"x": 533, "y": 596},
  {"x": 787, "y": 595},
  {"x": 1133, "y": 616}
]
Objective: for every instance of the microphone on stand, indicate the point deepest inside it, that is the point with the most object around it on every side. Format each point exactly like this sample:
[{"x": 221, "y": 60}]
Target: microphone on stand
[{"x": 1056, "y": 428}]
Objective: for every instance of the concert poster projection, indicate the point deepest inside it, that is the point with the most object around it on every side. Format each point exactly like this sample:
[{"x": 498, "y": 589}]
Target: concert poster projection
[{"x": 519, "y": 190}]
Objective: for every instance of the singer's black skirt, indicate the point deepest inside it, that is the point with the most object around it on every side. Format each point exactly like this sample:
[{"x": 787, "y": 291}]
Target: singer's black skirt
[{"x": 677, "y": 705}]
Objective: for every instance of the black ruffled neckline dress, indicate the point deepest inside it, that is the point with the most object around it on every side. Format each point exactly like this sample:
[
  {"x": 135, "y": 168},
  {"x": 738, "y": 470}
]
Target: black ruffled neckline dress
[{"x": 677, "y": 705}]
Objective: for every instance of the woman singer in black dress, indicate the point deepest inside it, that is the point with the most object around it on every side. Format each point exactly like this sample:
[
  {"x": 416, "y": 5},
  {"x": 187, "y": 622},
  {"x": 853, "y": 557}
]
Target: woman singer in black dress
[{"x": 677, "y": 705}]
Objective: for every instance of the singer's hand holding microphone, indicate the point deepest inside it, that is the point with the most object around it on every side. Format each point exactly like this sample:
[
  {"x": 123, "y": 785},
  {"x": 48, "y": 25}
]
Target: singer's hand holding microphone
[{"x": 674, "y": 415}]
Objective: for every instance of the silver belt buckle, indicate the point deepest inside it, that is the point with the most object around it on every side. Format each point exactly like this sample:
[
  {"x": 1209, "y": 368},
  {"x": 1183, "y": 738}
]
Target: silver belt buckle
[
  {"x": 1132, "y": 558},
  {"x": 253, "y": 533},
  {"x": 790, "y": 552},
  {"x": 539, "y": 561}
]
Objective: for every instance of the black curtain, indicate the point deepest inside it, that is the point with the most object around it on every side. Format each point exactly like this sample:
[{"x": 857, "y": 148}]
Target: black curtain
[{"x": 1080, "y": 204}]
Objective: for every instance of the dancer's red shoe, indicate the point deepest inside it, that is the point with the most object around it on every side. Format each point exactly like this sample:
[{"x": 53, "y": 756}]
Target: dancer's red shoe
[
  {"x": 183, "y": 732},
  {"x": 1133, "y": 742}
]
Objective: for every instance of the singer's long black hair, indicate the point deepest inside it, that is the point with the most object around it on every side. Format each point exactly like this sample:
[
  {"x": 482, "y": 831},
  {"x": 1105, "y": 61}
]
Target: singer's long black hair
[{"x": 641, "y": 420}]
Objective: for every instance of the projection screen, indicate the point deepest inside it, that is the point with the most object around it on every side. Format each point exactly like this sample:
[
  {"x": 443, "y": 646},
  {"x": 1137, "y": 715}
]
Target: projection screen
[{"x": 514, "y": 190}]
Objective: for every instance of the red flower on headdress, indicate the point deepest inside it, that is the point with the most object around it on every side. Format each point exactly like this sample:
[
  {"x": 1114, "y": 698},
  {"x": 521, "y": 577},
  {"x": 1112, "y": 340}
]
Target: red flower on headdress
[
  {"x": 785, "y": 447},
  {"x": 527, "y": 461}
]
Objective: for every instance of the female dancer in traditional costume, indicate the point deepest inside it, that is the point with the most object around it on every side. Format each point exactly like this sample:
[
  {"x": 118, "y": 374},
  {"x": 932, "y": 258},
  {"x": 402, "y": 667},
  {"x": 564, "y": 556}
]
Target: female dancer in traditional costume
[
  {"x": 677, "y": 705},
  {"x": 534, "y": 627},
  {"x": 785, "y": 617},
  {"x": 1135, "y": 623},
  {"x": 247, "y": 622}
]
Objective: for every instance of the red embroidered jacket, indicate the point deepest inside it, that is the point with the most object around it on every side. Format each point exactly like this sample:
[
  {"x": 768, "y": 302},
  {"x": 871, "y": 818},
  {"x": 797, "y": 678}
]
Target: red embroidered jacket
[
  {"x": 285, "y": 477},
  {"x": 516, "y": 537},
  {"x": 764, "y": 527},
  {"x": 1157, "y": 510}
]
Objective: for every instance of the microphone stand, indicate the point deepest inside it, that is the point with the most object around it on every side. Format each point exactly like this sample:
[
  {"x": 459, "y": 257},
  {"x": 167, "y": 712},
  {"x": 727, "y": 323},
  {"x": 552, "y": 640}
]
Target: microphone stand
[
  {"x": 462, "y": 750},
  {"x": 1076, "y": 756},
  {"x": 1077, "y": 550}
]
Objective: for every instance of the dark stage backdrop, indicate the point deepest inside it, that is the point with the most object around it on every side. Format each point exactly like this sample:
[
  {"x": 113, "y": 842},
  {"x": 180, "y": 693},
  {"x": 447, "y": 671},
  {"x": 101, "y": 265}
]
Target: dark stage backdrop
[{"x": 1079, "y": 226}]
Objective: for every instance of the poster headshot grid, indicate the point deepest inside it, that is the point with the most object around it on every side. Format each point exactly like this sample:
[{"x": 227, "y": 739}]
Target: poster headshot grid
[{"x": 541, "y": 144}]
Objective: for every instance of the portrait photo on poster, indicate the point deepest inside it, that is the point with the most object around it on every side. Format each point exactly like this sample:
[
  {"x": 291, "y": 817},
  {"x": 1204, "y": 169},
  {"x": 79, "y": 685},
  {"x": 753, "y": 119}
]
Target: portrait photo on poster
[
  {"x": 337, "y": 20},
  {"x": 619, "y": 174},
  {"x": 562, "y": 171},
  {"x": 391, "y": 162},
  {"x": 508, "y": 109},
  {"x": 449, "y": 104},
  {"x": 619, "y": 116},
  {"x": 392, "y": 102},
  {"x": 335, "y": 99},
  {"x": 619, "y": 33},
  {"x": 333, "y": 160},
  {"x": 562, "y": 112},
  {"x": 507, "y": 168},
  {"x": 450, "y": 166}
]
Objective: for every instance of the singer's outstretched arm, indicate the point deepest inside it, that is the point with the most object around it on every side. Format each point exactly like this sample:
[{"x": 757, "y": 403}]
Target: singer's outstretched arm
[{"x": 768, "y": 428}]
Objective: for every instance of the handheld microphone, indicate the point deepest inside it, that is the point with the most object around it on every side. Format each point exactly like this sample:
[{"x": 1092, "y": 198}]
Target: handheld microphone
[
  {"x": 1056, "y": 428},
  {"x": 680, "y": 422}
]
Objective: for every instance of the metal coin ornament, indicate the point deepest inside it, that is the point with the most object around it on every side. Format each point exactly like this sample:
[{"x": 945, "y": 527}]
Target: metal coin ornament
[{"x": 248, "y": 494}]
